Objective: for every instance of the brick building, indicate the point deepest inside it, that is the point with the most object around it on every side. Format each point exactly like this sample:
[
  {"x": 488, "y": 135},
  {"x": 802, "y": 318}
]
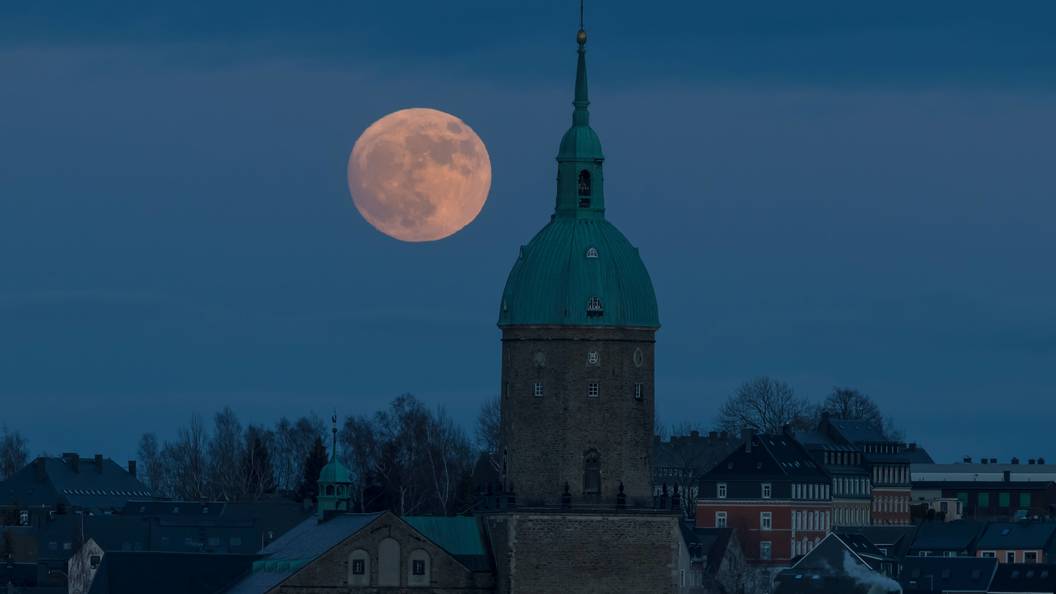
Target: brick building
[
  {"x": 851, "y": 481},
  {"x": 773, "y": 494}
]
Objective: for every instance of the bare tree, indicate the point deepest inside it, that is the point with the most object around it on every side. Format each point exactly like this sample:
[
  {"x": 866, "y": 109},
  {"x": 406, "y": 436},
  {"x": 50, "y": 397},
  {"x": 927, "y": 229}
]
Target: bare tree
[
  {"x": 14, "y": 453},
  {"x": 853, "y": 405},
  {"x": 257, "y": 472},
  {"x": 149, "y": 455},
  {"x": 404, "y": 432},
  {"x": 226, "y": 471},
  {"x": 186, "y": 462},
  {"x": 449, "y": 458},
  {"x": 293, "y": 443},
  {"x": 489, "y": 426},
  {"x": 360, "y": 453},
  {"x": 764, "y": 405}
]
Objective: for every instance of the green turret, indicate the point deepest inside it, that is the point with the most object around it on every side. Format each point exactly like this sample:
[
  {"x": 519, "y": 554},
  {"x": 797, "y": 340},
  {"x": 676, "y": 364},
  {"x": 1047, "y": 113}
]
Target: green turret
[{"x": 335, "y": 482}]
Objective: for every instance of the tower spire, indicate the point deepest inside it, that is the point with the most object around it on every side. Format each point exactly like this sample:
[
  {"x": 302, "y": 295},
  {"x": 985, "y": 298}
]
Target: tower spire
[
  {"x": 333, "y": 429},
  {"x": 581, "y": 117}
]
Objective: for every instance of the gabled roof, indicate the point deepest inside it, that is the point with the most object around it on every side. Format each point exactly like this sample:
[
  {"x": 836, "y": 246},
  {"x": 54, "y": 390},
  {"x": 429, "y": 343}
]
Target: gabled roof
[
  {"x": 896, "y": 540},
  {"x": 1017, "y": 535},
  {"x": 777, "y": 456},
  {"x": 709, "y": 543},
  {"x": 829, "y": 555},
  {"x": 833, "y": 567},
  {"x": 301, "y": 545},
  {"x": 857, "y": 431},
  {"x": 947, "y": 574},
  {"x": 1024, "y": 577},
  {"x": 82, "y": 483},
  {"x": 959, "y": 535}
]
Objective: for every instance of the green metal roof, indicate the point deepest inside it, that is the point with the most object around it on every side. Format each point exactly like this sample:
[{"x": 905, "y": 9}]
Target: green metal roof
[
  {"x": 459, "y": 535},
  {"x": 555, "y": 278},
  {"x": 334, "y": 472},
  {"x": 579, "y": 270}
]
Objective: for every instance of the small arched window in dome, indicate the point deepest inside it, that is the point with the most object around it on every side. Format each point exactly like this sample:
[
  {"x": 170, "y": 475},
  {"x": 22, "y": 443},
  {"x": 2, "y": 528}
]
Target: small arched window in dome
[
  {"x": 329, "y": 489},
  {"x": 592, "y": 252},
  {"x": 594, "y": 307}
]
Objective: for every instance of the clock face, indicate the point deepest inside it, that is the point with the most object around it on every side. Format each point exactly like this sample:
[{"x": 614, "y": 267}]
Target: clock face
[
  {"x": 639, "y": 358},
  {"x": 539, "y": 358},
  {"x": 593, "y": 358}
]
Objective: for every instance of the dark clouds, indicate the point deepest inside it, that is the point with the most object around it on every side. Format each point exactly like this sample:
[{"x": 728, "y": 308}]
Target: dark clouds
[{"x": 825, "y": 193}]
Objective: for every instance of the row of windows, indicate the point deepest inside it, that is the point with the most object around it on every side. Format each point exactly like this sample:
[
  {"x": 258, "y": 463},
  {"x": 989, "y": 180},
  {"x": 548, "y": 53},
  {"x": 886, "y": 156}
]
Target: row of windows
[
  {"x": 1012, "y": 556},
  {"x": 851, "y": 516},
  {"x": 843, "y": 485},
  {"x": 891, "y": 504},
  {"x": 804, "y": 546},
  {"x": 817, "y": 521},
  {"x": 1004, "y": 500},
  {"x": 810, "y": 491},
  {"x": 593, "y": 390},
  {"x": 843, "y": 458},
  {"x": 891, "y": 475}
]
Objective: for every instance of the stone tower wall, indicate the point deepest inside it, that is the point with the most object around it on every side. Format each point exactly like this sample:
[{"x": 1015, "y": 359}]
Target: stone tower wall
[{"x": 547, "y": 438}]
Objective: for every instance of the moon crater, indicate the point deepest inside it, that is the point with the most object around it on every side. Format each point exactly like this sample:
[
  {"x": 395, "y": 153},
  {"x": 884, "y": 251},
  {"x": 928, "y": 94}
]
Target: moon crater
[{"x": 419, "y": 174}]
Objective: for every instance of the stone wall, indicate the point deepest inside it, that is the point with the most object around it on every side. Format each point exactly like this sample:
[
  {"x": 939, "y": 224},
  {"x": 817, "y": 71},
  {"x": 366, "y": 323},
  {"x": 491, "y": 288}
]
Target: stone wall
[
  {"x": 556, "y": 553},
  {"x": 547, "y": 437}
]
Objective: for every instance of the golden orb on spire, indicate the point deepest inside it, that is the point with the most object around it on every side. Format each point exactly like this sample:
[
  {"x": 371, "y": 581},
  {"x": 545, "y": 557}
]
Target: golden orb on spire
[{"x": 581, "y": 37}]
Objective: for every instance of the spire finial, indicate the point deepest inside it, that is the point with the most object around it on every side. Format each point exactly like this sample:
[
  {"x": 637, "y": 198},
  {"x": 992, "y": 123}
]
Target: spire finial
[
  {"x": 581, "y": 117},
  {"x": 333, "y": 429}
]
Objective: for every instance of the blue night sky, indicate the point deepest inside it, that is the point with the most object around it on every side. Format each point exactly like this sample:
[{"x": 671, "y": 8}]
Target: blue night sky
[{"x": 827, "y": 193}]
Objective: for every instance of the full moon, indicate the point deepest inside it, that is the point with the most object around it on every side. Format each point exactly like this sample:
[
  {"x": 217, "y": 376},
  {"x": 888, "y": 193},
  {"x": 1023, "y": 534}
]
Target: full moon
[{"x": 419, "y": 174}]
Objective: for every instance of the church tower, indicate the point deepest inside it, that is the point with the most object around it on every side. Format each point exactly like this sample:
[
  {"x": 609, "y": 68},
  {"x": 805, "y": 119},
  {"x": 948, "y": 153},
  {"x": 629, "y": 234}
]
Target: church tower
[{"x": 578, "y": 319}]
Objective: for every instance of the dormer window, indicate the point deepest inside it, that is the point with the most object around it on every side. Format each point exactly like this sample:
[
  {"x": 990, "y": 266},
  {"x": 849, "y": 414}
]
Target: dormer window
[
  {"x": 594, "y": 307},
  {"x": 592, "y": 252}
]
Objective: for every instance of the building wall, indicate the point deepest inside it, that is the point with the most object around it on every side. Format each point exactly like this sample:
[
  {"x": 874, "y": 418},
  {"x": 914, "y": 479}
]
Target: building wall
[
  {"x": 890, "y": 506},
  {"x": 745, "y": 519},
  {"x": 547, "y": 438},
  {"x": 851, "y": 512},
  {"x": 1002, "y": 555},
  {"x": 555, "y": 553},
  {"x": 332, "y": 570}
]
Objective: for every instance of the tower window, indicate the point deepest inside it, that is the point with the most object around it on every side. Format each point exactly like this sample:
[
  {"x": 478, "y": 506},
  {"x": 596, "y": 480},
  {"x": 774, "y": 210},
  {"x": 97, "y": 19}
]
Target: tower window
[
  {"x": 359, "y": 567},
  {"x": 592, "y": 252},
  {"x": 537, "y": 390},
  {"x": 584, "y": 186},
  {"x": 593, "y": 390},
  {"x": 591, "y": 473},
  {"x": 594, "y": 307}
]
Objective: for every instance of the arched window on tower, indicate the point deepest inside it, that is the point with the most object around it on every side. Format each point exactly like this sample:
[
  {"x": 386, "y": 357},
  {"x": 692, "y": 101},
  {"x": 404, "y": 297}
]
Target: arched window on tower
[
  {"x": 584, "y": 189},
  {"x": 591, "y": 473},
  {"x": 329, "y": 489}
]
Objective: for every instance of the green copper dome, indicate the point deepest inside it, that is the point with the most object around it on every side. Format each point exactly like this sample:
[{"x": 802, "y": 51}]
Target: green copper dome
[
  {"x": 579, "y": 270},
  {"x": 334, "y": 472}
]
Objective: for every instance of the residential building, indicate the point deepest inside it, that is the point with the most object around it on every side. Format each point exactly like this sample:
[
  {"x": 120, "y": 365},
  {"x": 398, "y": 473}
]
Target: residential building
[
  {"x": 837, "y": 566},
  {"x": 946, "y": 539},
  {"x": 715, "y": 560},
  {"x": 1018, "y": 542},
  {"x": 1022, "y": 578},
  {"x": 985, "y": 470},
  {"x": 773, "y": 494},
  {"x": 946, "y": 575},
  {"x": 94, "y": 570},
  {"x": 887, "y": 461},
  {"x": 994, "y": 500},
  {"x": 851, "y": 482}
]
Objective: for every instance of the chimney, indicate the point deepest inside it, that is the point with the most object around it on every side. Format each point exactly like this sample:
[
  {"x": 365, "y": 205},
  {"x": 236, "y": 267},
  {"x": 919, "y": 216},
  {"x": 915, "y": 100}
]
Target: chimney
[
  {"x": 1015, "y": 460},
  {"x": 694, "y": 434},
  {"x": 712, "y": 436},
  {"x": 132, "y": 468},
  {"x": 749, "y": 435},
  {"x": 984, "y": 460},
  {"x": 1031, "y": 461},
  {"x": 73, "y": 460},
  {"x": 993, "y": 460},
  {"x": 967, "y": 459},
  {"x": 1041, "y": 460},
  {"x": 1007, "y": 476},
  {"x": 41, "y": 473},
  {"x": 99, "y": 463}
]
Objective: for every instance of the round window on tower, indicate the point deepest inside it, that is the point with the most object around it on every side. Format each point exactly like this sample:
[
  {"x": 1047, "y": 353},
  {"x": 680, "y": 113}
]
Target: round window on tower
[{"x": 638, "y": 357}]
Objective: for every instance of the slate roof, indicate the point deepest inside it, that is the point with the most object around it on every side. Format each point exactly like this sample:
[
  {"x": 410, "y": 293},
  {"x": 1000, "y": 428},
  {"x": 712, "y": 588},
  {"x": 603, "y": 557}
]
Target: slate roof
[
  {"x": 301, "y": 545},
  {"x": 945, "y": 574},
  {"x": 696, "y": 454},
  {"x": 710, "y": 544},
  {"x": 1017, "y": 535},
  {"x": 895, "y": 539},
  {"x": 960, "y": 535},
  {"x": 168, "y": 573},
  {"x": 1020, "y": 577},
  {"x": 856, "y": 431},
  {"x": 834, "y": 567},
  {"x": 80, "y": 483},
  {"x": 772, "y": 456},
  {"x": 460, "y": 536}
]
